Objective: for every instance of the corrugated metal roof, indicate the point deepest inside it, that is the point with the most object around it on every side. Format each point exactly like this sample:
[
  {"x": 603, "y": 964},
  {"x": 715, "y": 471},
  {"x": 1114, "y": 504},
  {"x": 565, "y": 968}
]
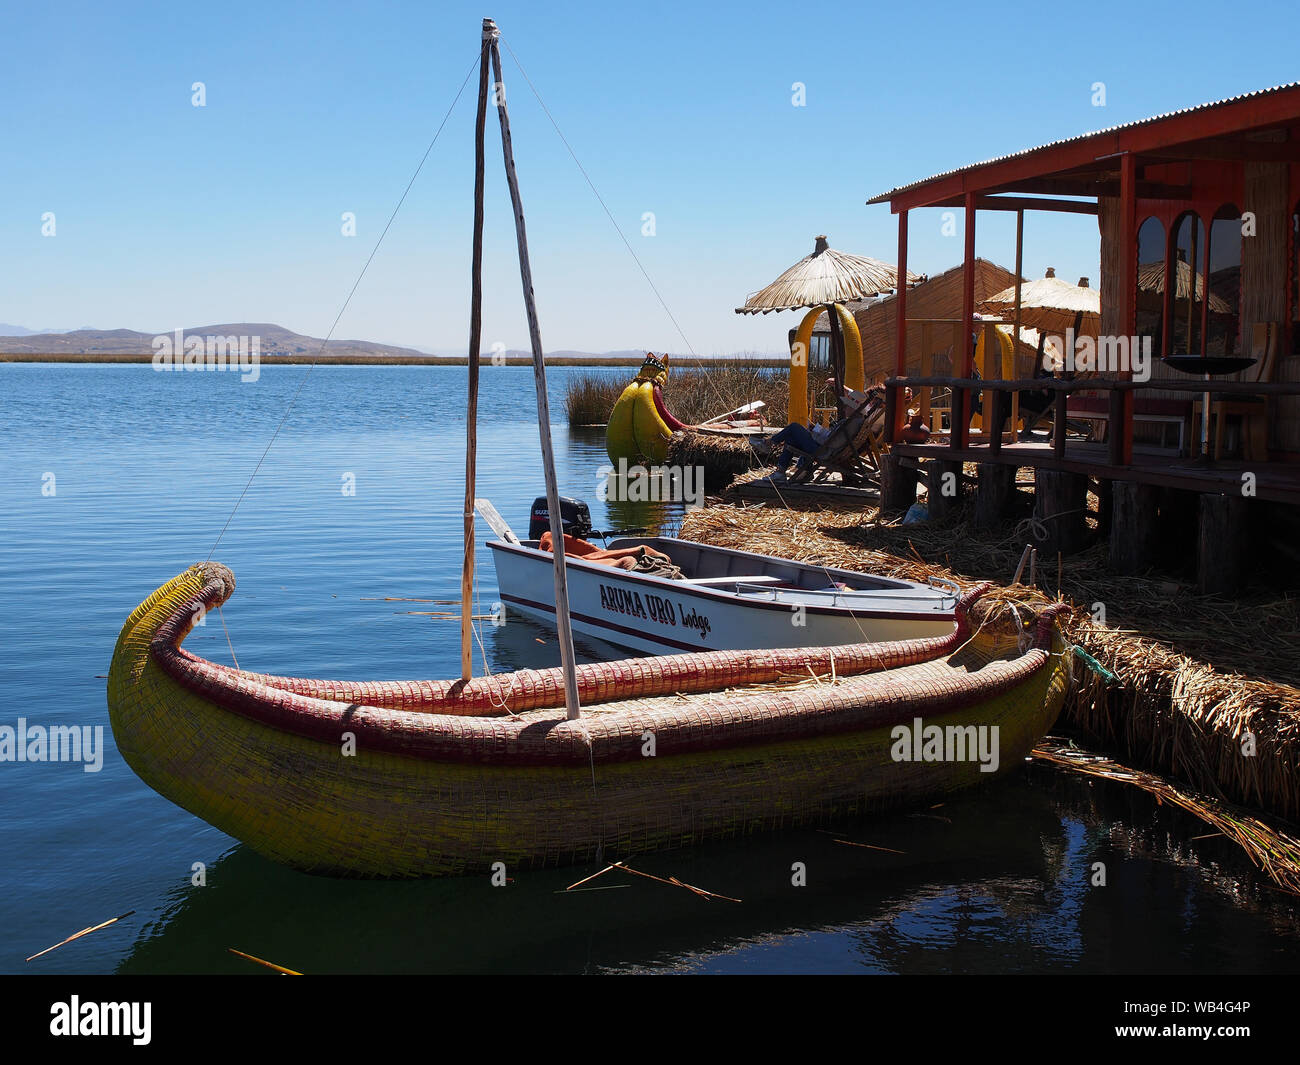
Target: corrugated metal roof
[{"x": 886, "y": 196}]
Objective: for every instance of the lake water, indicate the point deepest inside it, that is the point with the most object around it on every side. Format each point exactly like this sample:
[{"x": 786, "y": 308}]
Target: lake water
[{"x": 116, "y": 478}]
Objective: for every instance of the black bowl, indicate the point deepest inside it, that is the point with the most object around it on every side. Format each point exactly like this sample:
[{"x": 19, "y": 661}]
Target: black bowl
[{"x": 1214, "y": 365}]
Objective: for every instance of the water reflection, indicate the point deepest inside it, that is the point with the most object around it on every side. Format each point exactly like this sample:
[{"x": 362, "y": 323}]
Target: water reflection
[{"x": 997, "y": 880}]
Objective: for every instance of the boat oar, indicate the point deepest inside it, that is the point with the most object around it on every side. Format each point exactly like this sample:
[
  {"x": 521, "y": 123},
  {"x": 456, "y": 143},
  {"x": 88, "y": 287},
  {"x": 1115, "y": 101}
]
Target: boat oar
[
  {"x": 83, "y": 932},
  {"x": 607, "y": 533},
  {"x": 748, "y": 408}
]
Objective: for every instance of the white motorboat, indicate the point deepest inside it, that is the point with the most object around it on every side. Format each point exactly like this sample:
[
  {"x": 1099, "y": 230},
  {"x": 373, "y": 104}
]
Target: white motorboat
[{"x": 723, "y": 600}]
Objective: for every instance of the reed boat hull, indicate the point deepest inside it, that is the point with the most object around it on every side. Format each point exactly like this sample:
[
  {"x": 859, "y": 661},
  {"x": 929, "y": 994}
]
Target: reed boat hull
[
  {"x": 435, "y": 785},
  {"x": 655, "y": 615}
]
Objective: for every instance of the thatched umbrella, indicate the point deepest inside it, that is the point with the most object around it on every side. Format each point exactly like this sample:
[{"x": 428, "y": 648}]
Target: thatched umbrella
[
  {"x": 824, "y": 277},
  {"x": 1051, "y": 305},
  {"x": 1151, "y": 282}
]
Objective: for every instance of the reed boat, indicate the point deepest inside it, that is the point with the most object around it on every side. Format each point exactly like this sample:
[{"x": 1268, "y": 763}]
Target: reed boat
[
  {"x": 554, "y": 766},
  {"x": 408, "y": 779}
]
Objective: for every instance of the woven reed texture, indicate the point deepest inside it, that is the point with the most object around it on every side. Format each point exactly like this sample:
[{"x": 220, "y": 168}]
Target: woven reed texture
[
  {"x": 940, "y": 297},
  {"x": 440, "y": 794},
  {"x": 530, "y": 689}
]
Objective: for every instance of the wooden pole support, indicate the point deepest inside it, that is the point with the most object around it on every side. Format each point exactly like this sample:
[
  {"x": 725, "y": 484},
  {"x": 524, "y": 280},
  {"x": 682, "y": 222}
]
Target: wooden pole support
[
  {"x": 1059, "y": 499},
  {"x": 1134, "y": 526},
  {"x": 475, "y": 341},
  {"x": 993, "y": 494},
  {"x": 563, "y": 626},
  {"x": 1221, "y": 553},
  {"x": 943, "y": 479},
  {"x": 897, "y": 484}
]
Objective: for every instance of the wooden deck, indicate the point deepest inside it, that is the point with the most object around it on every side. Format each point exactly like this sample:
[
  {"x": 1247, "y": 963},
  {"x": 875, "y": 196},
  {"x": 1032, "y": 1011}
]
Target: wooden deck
[
  {"x": 1275, "y": 481},
  {"x": 759, "y": 488}
]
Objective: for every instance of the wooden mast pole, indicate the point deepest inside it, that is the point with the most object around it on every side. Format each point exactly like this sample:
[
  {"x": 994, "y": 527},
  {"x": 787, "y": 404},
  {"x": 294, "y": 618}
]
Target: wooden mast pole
[
  {"x": 475, "y": 339},
  {"x": 562, "y": 624},
  {"x": 1015, "y": 324}
]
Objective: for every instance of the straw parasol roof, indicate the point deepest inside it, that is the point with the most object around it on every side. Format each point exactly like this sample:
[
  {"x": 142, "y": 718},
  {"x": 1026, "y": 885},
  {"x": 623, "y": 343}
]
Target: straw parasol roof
[
  {"x": 825, "y": 276},
  {"x": 1051, "y": 305},
  {"x": 1151, "y": 279}
]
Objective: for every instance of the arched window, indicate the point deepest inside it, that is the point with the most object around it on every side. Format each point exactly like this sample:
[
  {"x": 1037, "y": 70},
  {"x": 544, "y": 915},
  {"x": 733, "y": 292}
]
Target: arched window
[
  {"x": 1295, "y": 280},
  {"x": 1222, "y": 332},
  {"x": 1186, "y": 278},
  {"x": 1151, "y": 281}
]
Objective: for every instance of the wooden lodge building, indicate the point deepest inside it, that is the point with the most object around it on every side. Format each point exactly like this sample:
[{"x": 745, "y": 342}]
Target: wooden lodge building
[{"x": 1198, "y": 213}]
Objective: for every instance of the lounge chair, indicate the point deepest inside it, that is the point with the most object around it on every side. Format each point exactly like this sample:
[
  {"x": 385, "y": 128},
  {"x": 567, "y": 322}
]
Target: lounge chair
[{"x": 852, "y": 450}]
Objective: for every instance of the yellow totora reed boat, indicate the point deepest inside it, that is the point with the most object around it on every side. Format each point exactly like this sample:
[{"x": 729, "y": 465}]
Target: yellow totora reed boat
[{"x": 402, "y": 779}]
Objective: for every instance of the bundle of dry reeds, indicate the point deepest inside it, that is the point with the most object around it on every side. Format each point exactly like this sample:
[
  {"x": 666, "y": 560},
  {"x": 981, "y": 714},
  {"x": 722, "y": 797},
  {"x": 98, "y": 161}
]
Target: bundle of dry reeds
[
  {"x": 720, "y": 457},
  {"x": 1272, "y": 849}
]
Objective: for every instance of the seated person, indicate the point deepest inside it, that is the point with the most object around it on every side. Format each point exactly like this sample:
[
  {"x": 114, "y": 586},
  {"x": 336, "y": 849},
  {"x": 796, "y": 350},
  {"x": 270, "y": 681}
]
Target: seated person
[{"x": 861, "y": 407}]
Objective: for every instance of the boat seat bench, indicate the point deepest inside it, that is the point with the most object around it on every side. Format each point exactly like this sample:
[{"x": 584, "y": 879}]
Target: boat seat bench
[{"x": 723, "y": 581}]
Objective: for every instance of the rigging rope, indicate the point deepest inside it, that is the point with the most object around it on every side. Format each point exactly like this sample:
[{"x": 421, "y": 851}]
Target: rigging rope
[
  {"x": 699, "y": 362},
  {"x": 337, "y": 318}
]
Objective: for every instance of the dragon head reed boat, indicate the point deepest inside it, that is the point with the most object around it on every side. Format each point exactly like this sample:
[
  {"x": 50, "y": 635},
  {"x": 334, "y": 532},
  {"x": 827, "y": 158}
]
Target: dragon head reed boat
[{"x": 405, "y": 779}]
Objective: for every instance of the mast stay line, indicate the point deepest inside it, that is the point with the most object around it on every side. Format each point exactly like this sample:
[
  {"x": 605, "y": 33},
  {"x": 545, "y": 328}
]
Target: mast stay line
[
  {"x": 564, "y": 629},
  {"x": 339, "y": 317}
]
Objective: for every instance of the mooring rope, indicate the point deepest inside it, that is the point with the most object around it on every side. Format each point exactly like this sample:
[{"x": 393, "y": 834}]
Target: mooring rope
[
  {"x": 222, "y": 614},
  {"x": 337, "y": 318}
]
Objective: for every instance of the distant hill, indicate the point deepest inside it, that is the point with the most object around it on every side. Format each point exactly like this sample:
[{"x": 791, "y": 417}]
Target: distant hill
[
  {"x": 275, "y": 340},
  {"x": 7, "y": 330}
]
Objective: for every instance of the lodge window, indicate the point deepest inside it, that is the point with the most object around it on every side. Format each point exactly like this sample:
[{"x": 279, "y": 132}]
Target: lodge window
[
  {"x": 1188, "y": 284},
  {"x": 1151, "y": 282},
  {"x": 1295, "y": 280},
  {"x": 1223, "y": 257}
]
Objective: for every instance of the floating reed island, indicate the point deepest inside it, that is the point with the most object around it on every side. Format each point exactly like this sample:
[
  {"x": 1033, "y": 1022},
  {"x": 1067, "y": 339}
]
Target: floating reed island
[
  {"x": 1197, "y": 688},
  {"x": 722, "y": 458}
]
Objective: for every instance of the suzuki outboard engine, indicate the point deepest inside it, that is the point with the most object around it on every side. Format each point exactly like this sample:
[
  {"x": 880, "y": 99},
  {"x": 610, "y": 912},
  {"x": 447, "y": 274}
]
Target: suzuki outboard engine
[{"x": 574, "y": 516}]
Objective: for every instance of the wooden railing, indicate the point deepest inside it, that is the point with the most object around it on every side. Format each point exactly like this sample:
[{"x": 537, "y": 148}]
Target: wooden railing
[
  {"x": 951, "y": 331},
  {"x": 1119, "y": 392}
]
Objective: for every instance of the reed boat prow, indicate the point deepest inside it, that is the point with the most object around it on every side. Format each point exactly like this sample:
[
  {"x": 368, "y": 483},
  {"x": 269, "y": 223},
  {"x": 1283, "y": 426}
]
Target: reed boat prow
[{"x": 408, "y": 778}]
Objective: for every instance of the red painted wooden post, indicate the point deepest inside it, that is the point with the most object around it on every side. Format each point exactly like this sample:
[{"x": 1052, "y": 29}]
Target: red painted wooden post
[
  {"x": 961, "y": 396},
  {"x": 894, "y": 424},
  {"x": 1121, "y": 438}
]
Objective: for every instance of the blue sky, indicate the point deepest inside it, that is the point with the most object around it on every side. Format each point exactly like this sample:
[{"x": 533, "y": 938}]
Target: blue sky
[{"x": 169, "y": 214}]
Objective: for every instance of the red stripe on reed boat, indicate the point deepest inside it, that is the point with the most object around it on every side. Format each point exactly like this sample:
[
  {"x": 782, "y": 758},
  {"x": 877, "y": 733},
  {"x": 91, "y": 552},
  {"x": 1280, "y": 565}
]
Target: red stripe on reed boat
[{"x": 444, "y": 721}]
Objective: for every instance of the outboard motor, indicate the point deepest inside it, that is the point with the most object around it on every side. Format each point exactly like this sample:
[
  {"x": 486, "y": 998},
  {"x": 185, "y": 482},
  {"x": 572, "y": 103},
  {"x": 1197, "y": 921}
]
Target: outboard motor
[{"x": 574, "y": 517}]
